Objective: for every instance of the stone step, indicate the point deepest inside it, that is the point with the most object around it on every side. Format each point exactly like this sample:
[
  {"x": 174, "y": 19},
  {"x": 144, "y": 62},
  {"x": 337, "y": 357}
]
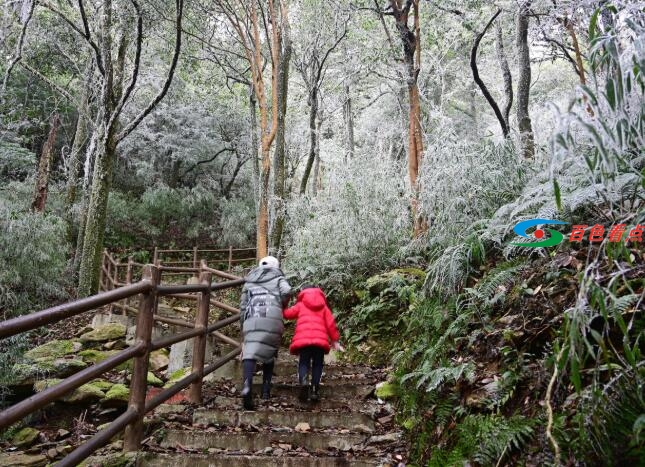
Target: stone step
[
  {"x": 222, "y": 402},
  {"x": 288, "y": 418},
  {"x": 335, "y": 390},
  {"x": 256, "y": 441},
  {"x": 233, "y": 370},
  {"x": 195, "y": 460}
]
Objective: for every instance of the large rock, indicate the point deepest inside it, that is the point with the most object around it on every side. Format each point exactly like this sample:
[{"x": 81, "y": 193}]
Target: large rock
[
  {"x": 117, "y": 396},
  {"x": 101, "y": 319},
  {"x": 386, "y": 390},
  {"x": 20, "y": 459},
  {"x": 94, "y": 356},
  {"x": 177, "y": 375},
  {"x": 25, "y": 437},
  {"x": 181, "y": 354},
  {"x": 107, "y": 332},
  {"x": 89, "y": 392},
  {"x": 159, "y": 359},
  {"x": 53, "y": 349},
  {"x": 26, "y": 374}
]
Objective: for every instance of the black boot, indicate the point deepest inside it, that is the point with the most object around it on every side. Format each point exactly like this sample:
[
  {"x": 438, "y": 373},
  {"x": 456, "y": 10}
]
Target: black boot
[
  {"x": 315, "y": 393},
  {"x": 303, "y": 393},
  {"x": 266, "y": 390},
  {"x": 247, "y": 395}
]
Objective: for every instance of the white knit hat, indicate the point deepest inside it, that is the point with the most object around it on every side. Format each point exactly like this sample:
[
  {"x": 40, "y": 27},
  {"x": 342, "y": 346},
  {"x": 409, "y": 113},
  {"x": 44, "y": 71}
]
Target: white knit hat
[{"x": 270, "y": 262}]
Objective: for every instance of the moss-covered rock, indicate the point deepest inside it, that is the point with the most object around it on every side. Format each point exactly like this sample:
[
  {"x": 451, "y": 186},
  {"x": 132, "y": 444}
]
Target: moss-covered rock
[
  {"x": 127, "y": 459},
  {"x": 153, "y": 380},
  {"x": 386, "y": 390},
  {"x": 53, "y": 349},
  {"x": 26, "y": 374},
  {"x": 85, "y": 393},
  {"x": 107, "y": 332},
  {"x": 94, "y": 356},
  {"x": 117, "y": 396},
  {"x": 40, "y": 386},
  {"x": 25, "y": 437},
  {"x": 102, "y": 384},
  {"x": 177, "y": 375},
  {"x": 89, "y": 392}
]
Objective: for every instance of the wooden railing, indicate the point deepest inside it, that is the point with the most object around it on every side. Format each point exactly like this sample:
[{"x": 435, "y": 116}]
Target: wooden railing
[
  {"x": 229, "y": 256},
  {"x": 148, "y": 289}
]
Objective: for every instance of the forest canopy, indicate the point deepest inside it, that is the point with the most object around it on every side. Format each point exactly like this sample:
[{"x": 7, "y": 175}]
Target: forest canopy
[{"x": 383, "y": 149}]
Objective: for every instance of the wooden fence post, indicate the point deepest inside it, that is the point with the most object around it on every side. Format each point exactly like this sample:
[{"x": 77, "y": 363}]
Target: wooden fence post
[
  {"x": 102, "y": 287},
  {"x": 230, "y": 258},
  {"x": 139, "y": 383},
  {"x": 195, "y": 265},
  {"x": 199, "y": 342},
  {"x": 128, "y": 281},
  {"x": 155, "y": 257}
]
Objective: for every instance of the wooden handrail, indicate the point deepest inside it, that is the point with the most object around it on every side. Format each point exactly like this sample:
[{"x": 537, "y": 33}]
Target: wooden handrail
[{"x": 149, "y": 289}]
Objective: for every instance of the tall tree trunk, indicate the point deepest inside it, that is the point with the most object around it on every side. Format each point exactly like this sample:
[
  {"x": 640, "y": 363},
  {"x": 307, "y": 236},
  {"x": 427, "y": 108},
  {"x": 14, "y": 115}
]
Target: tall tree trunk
[
  {"x": 88, "y": 169},
  {"x": 268, "y": 131},
  {"x": 506, "y": 75},
  {"x": 313, "y": 137},
  {"x": 410, "y": 39},
  {"x": 317, "y": 175},
  {"x": 255, "y": 145},
  {"x": 279, "y": 162},
  {"x": 44, "y": 166},
  {"x": 80, "y": 138},
  {"x": 348, "y": 115},
  {"x": 527, "y": 145},
  {"x": 578, "y": 54},
  {"x": 89, "y": 271}
]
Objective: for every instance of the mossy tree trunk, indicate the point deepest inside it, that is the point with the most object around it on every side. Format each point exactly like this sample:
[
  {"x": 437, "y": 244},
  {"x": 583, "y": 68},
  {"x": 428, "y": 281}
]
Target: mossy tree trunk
[
  {"x": 89, "y": 272},
  {"x": 527, "y": 145},
  {"x": 279, "y": 161}
]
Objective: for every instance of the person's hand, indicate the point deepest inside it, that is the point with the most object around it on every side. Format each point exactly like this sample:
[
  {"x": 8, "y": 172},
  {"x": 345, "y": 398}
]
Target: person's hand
[{"x": 339, "y": 348}]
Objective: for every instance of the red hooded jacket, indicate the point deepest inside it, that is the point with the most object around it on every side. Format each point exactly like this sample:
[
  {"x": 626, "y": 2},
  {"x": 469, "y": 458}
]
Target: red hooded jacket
[{"x": 315, "y": 324}]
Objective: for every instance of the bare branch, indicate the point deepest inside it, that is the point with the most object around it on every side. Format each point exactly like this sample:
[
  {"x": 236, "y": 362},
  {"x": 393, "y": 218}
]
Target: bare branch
[
  {"x": 18, "y": 55},
  {"x": 49, "y": 82},
  {"x": 478, "y": 80},
  {"x": 135, "y": 68},
  {"x": 171, "y": 72},
  {"x": 83, "y": 33}
]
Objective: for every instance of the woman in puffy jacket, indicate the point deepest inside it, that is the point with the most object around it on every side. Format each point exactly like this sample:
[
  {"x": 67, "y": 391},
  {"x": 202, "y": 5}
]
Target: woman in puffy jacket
[
  {"x": 265, "y": 294},
  {"x": 315, "y": 326}
]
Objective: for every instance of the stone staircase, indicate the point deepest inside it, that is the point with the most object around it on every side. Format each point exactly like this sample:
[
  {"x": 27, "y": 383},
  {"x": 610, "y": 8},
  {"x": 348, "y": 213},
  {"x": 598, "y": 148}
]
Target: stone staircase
[{"x": 348, "y": 427}]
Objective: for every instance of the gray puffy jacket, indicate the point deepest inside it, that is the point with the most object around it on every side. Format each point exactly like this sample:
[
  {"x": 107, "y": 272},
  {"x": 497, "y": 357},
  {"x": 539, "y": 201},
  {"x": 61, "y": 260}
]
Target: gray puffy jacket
[{"x": 264, "y": 296}]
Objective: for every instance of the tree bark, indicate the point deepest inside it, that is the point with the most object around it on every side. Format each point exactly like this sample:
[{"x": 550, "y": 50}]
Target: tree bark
[
  {"x": 527, "y": 145},
  {"x": 279, "y": 162},
  {"x": 88, "y": 169},
  {"x": 268, "y": 132},
  {"x": 89, "y": 272},
  {"x": 80, "y": 138},
  {"x": 317, "y": 174},
  {"x": 313, "y": 137},
  {"x": 44, "y": 167},
  {"x": 506, "y": 75},
  {"x": 410, "y": 39},
  {"x": 349, "y": 121},
  {"x": 255, "y": 145}
]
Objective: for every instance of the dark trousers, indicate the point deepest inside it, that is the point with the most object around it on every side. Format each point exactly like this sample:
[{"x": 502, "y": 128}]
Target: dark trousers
[
  {"x": 249, "y": 370},
  {"x": 311, "y": 357}
]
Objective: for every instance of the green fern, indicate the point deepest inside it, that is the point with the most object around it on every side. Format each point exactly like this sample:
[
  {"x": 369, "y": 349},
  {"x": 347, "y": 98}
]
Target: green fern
[{"x": 485, "y": 439}]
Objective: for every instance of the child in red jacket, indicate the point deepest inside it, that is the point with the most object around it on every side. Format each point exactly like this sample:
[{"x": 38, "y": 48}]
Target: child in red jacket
[{"x": 315, "y": 325}]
